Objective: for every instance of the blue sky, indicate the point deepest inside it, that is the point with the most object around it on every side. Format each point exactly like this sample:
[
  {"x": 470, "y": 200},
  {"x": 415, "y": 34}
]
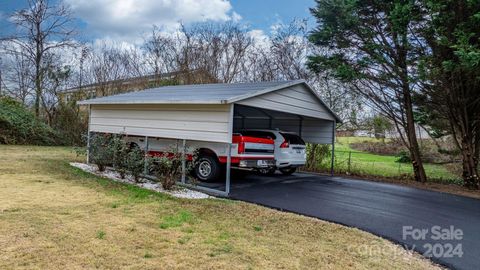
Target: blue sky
[
  {"x": 261, "y": 14},
  {"x": 127, "y": 20}
]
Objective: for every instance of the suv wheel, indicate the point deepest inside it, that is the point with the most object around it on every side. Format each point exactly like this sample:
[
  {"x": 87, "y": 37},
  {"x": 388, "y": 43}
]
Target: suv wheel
[
  {"x": 288, "y": 170},
  {"x": 207, "y": 169}
]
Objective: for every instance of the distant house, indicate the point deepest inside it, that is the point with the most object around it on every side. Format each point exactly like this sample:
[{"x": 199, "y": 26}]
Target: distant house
[
  {"x": 390, "y": 134},
  {"x": 421, "y": 133}
]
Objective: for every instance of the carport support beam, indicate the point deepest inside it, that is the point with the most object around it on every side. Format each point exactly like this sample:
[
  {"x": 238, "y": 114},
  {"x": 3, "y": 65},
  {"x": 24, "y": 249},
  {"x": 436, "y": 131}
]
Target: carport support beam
[
  {"x": 300, "y": 126},
  {"x": 332, "y": 165},
  {"x": 184, "y": 167},
  {"x": 88, "y": 135},
  {"x": 145, "y": 158},
  {"x": 229, "y": 166}
]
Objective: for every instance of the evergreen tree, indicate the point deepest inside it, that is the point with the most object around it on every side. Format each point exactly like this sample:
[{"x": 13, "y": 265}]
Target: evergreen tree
[{"x": 372, "y": 45}]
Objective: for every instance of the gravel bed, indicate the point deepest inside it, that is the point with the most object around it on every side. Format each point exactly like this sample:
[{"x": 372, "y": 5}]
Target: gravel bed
[{"x": 178, "y": 192}]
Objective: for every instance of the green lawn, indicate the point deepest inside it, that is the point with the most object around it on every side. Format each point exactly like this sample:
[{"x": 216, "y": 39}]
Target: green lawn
[
  {"x": 54, "y": 216},
  {"x": 364, "y": 163}
]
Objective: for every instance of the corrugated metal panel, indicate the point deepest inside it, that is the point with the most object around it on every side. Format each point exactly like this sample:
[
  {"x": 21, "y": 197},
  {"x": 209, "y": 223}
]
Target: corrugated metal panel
[
  {"x": 251, "y": 123},
  {"x": 191, "y": 122},
  {"x": 312, "y": 130},
  {"x": 296, "y": 99},
  {"x": 317, "y": 131},
  {"x": 287, "y": 125},
  {"x": 192, "y": 94}
]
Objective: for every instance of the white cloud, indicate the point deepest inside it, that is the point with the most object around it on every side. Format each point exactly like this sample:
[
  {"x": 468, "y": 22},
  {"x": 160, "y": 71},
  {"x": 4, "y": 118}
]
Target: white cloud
[
  {"x": 236, "y": 17},
  {"x": 126, "y": 19},
  {"x": 257, "y": 35},
  {"x": 260, "y": 38}
]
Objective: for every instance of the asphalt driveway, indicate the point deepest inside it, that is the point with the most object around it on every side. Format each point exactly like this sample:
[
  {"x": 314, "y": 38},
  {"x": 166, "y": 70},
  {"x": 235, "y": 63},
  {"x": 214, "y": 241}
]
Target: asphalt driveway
[{"x": 394, "y": 212}]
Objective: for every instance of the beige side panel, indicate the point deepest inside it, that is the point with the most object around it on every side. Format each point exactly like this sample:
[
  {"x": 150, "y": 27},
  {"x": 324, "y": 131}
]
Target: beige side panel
[
  {"x": 296, "y": 99},
  {"x": 191, "y": 122}
]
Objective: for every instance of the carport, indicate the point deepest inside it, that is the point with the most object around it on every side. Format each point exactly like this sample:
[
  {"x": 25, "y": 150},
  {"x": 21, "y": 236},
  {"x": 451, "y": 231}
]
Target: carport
[{"x": 213, "y": 112}]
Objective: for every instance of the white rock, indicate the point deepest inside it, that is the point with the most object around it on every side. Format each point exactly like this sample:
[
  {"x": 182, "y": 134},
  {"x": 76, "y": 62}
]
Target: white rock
[{"x": 143, "y": 183}]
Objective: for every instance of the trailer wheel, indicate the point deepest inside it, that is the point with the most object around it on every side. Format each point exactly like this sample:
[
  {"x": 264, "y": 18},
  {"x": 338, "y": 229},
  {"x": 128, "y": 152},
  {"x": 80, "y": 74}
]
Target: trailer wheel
[
  {"x": 207, "y": 169},
  {"x": 288, "y": 170}
]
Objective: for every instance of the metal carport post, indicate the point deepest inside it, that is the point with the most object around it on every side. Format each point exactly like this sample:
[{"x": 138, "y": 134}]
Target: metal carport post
[
  {"x": 88, "y": 135},
  {"x": 228, "y": 166},
  {"x": 229, "y": 150},
  {"x": 332, "y": 165}
]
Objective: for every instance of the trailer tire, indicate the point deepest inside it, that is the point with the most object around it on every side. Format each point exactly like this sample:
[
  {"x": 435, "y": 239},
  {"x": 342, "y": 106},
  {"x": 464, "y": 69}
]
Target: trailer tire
[{"x": 207, "y": 169}]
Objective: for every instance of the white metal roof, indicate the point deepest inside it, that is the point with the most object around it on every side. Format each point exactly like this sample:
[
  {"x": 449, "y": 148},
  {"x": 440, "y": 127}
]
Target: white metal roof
[{"x": 218, "y": 93}]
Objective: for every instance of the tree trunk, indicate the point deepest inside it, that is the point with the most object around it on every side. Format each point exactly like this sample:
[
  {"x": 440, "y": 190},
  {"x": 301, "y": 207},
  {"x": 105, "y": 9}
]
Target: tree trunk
[
  {"x": 462, "y": 117},
  {"x": 413, "y": 147},
  {"x": 38, "y": 93},
  {"x": 470, "y": 165},
  {"x": 469, "y": 161},
  {"x": 38, "y": 68}
]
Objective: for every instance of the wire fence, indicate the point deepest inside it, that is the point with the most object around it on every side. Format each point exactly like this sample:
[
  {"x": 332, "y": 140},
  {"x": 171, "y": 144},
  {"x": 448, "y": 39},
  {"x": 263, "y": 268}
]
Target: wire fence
[{"x": 367, "y": 164}]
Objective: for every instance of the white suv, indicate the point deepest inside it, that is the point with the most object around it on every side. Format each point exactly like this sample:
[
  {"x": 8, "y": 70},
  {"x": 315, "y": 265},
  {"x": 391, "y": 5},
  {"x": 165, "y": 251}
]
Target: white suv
[{"x": 289, "y": 152}]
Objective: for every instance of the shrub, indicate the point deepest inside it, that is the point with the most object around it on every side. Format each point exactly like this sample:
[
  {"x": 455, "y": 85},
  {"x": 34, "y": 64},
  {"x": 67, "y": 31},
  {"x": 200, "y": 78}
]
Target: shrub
[
  {"x": 106, "y": 150},
  {"x": 316, "y": 155},
  {"x": 71, "y": 123},
  {"x": 135, "y": 162},
  {"x": 120, "y": 152},
  {"x": 403, "y": 157},
  {"x": 167, "y": 168},
  {"x": 18, "y": 125},
  {"x": 101, "y": 152}
]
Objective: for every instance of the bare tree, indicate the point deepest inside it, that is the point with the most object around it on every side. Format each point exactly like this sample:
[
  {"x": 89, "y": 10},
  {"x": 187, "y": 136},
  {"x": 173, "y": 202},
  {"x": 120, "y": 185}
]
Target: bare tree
[
  {"x": 339, "y": 97},
  {"x": 106, "y": 65},
  {"x": 283, "y": 56},
  {"x": 217, "y": 50},
  {"x": 258, "y": 65},
  {"x": 160, "y": 52},
  {"x": 17, "y": 77},
  {"x": 57, "y": 76},
  {"x": 41, "y": 28},
  {"x": 289, "y": 50}
]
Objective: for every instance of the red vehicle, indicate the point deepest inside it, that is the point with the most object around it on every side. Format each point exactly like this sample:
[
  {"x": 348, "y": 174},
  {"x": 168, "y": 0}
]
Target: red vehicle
[{"x": 247, "y": 153}]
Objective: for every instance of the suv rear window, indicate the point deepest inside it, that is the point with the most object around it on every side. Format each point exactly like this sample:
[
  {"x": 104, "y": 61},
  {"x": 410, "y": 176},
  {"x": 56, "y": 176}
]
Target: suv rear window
[
  {"x": 258, "y": 134},
  {"x": 292, "y": 138}
]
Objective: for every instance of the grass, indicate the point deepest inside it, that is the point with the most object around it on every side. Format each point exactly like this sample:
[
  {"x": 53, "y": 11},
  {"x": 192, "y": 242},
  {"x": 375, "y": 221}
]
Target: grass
[
  {"x": 101, "y": 235},
  {"x": 364, "y": 163},
  {"x": 176, "y": 220},
  {"x": 53, "y": 216}
]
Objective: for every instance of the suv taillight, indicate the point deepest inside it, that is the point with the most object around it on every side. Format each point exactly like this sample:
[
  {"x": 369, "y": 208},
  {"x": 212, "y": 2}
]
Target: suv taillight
[{"x": 285, "y": 144}]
